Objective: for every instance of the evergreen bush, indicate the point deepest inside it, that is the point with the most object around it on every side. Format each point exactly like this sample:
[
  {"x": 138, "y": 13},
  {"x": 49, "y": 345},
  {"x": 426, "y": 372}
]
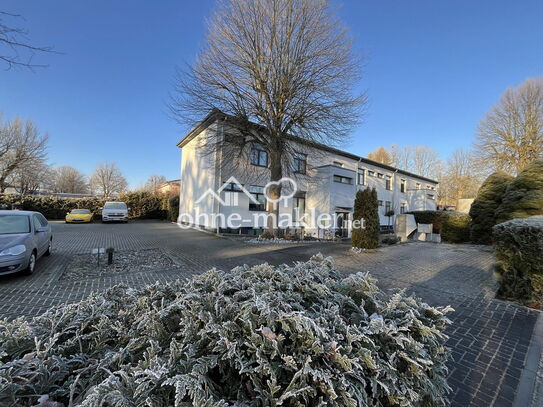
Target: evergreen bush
[
  {"x": 454, "y": 227},
  {"x": 519, "y": 250},
  {"x": 524, "y": 195},
  {"x": 145, "y": 205},
  {"x": 258, "y": 336},
  {"x": 366, "y": 209},
  {"x": 483, "y": 209},
  {"x": 52, "y": 207},
  {"x": 173, "y": 208}
]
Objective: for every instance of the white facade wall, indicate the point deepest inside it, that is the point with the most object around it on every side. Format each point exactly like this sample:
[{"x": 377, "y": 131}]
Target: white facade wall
[
  {"x": 201, "y": 172},
  {"x": 198, "y": 175}
]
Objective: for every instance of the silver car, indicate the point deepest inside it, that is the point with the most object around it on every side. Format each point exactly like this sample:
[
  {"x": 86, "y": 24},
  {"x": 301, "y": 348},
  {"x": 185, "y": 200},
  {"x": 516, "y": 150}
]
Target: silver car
[{"x": 24, "y": 237}]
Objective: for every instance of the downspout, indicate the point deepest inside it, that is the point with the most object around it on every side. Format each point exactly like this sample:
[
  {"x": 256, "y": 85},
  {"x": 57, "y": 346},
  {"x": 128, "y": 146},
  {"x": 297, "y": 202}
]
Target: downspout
[
  {"x": 218, "y": 211},
  {"x": 394, "y": 199}
]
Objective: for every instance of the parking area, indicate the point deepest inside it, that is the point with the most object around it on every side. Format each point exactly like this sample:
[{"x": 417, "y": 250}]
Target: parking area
[{"x": 493, "y": 342}]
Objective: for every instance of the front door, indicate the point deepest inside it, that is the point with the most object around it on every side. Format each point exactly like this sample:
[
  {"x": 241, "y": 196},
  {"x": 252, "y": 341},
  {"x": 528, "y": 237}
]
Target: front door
[{"x": 341, "y": 224}]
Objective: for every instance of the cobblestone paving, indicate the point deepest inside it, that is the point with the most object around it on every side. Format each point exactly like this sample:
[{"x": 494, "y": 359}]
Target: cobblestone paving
[{"x": 489, "y": 338}]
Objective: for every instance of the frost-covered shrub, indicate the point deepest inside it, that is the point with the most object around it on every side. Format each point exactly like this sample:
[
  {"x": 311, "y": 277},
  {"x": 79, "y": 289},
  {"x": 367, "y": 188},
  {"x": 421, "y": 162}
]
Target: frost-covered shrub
[
  {"x": 519, "y": 250},
  {"x": 259, "y": 336}
]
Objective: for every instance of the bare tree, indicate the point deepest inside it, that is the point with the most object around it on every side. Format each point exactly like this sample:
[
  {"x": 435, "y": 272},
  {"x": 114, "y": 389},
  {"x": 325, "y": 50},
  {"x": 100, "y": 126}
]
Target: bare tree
[
  {"x": 15, "y": 48},
  {"x": 401, "y": 157},
  {"x": 32, "y": 177},
  {"x": 511, "y": 134},
  {"x": 460, "y": 178},
  {"x": 70, "y": 180},
  {"x": 420, "y": 160},
  {"x": 20, "y": 144},
  {"x": 426, "y": 161},
  {"x": 286, "y": 65},
  {"x": 381, "y": 155},
  {"x": 107, "y": 180},
  {"x": 154, "y": 182}
]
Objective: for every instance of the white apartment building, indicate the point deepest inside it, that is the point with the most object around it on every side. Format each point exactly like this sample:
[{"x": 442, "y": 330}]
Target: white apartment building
[{"x": 327, "y": 179}]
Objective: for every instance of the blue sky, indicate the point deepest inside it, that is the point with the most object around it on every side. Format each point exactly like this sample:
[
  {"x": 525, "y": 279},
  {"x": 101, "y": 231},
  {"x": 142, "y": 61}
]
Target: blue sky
[{"x": 432, "y": 70}]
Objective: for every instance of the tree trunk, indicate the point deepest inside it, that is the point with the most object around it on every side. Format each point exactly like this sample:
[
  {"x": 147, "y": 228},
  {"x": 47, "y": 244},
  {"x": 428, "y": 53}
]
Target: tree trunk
[{"x": 274, "y": 191}]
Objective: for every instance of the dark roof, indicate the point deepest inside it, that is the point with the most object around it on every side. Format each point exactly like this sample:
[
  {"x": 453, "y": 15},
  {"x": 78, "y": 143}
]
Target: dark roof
[{"x": 216, "y": 114}]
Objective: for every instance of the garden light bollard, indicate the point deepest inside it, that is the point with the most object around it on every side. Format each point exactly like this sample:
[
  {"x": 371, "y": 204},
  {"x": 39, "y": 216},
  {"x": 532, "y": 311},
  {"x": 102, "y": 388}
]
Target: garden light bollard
[
  {"x": 109, "y": 252},
  {"x": 98, "y": 251}
]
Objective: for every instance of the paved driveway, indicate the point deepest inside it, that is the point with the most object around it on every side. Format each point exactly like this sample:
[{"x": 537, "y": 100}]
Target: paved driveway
[{"x": 494, "y": 343}]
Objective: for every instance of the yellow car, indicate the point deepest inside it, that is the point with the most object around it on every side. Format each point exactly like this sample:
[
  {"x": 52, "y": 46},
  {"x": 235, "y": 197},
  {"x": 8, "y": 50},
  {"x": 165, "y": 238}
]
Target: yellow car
[{"x": 79, "y": 216}]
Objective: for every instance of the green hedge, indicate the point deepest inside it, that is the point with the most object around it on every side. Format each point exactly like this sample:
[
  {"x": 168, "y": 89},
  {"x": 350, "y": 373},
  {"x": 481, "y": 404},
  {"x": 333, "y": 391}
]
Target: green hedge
[
  {"x": 173, "y": 208},
  {"x": 143, "y": 205},
  {"x": 52, "y": 207},
  {"x": 519, "y": 248},
  {"x": 454, "y": 227}
]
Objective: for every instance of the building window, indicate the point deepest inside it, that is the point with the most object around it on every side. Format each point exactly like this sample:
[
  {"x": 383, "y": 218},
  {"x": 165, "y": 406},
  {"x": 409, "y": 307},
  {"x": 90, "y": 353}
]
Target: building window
[
  {"x": 403, "y": 207},
  {"x": 361, "y": 176},
  {"x": 259, "y": 156},
  {"x": 232, "y": 187},
  {"x": 371, "y": 173},
  {"x": 298, "y": 209},
  {"x": 380, "y": 203},
  {"x": 388, "y": 182},
  {"x": 403, "y": 185},
  {"x": 258, "y": 193},
  {"x": 388, "y": 206},
  {"x": 300, "y": 163},
  {"x": 430, "y": 196},
  {"x": 343, "y": 180},
  {"x": 379, "y": 175},
  {"x": 338, "y": 164}
]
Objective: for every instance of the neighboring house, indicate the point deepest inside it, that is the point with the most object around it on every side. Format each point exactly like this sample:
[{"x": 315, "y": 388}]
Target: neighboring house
[
  {"x": 169, "y": 187},
  {"x": 464, "y": 204},
  {"x": 327, "y": 181},
  {"x": 10, "y": 190}
]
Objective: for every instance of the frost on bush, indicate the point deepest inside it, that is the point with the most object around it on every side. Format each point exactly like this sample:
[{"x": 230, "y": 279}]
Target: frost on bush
[
  {"x": 259, "y": 336},
  {"x": 519, "y": 250}
]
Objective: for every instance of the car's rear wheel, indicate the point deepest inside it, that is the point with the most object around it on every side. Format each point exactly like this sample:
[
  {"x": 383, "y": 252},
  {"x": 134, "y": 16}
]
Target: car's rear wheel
[
  {"x": 31, "y": 264},
  {"x": 48, "y": 252}
]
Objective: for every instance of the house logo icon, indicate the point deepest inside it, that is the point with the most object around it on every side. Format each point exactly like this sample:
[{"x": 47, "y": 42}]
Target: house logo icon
[{"x": 232, "y": 188}]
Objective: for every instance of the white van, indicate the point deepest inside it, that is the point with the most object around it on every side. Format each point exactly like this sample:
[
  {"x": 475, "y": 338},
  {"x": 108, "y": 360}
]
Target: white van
[{"x": 115, "y": 212}]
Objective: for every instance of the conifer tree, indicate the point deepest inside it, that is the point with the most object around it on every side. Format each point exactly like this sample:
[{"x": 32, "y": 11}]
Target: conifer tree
[
  {"x": 524, "y": 195},
  {"x": 483, "y": 209},
  {"x": 366, "y": 210}
]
